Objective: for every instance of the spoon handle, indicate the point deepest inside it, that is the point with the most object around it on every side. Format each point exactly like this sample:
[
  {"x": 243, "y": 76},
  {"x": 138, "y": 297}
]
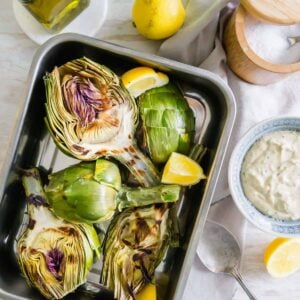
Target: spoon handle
[
  {"x": 235, "y": 273},
  {"x": 293, "y": 40}
]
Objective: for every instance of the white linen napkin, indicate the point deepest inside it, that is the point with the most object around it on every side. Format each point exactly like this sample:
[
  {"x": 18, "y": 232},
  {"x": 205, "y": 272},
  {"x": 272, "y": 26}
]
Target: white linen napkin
[{"x": 197, "y": 44}]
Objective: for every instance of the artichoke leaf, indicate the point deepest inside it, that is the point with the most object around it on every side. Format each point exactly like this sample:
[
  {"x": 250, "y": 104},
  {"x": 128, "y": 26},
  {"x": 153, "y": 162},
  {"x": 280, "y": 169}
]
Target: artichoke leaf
[
  {"x": 156, "y": 141},
  {"x": 161, "y": 101}
]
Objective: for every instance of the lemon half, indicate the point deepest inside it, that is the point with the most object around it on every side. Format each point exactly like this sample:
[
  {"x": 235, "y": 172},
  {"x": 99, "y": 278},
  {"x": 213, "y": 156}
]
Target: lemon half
[
  {"x": 282, "y": 257},
  {"x": 141, "y": 79},
  {"x": 182, "y": 170}
]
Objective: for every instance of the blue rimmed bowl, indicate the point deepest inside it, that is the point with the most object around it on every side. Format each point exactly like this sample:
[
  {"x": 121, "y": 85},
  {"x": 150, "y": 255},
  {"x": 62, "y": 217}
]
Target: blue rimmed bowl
[{"x": 259, "y": 219}]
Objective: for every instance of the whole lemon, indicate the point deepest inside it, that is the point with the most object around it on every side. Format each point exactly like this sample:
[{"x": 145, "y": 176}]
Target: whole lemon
[{"x": 158, "y": 19}]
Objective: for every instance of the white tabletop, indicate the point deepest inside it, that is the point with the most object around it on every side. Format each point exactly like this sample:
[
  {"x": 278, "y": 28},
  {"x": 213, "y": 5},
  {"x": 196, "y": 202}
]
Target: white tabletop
[{"x": 16, "y": 52}]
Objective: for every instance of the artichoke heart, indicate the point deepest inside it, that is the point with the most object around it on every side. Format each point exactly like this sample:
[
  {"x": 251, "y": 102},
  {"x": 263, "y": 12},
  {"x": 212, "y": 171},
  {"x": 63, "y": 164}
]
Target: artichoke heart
[
  {"x": 135, "y": 244},
  {"x": 168, "y": 123},
  {"x": 91, "y": 192},
  {"x": 55, "y": 256},
  {"x": 90, "y": 114}
]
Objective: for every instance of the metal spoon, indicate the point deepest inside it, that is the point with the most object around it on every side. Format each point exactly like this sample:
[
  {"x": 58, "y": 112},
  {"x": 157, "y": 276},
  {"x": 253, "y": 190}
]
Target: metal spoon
[
  {"x": 293, "y": 40},
  {"x": 220, "y": 252}
]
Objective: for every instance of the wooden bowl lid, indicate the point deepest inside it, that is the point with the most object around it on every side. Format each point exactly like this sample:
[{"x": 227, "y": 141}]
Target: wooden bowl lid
[{"x": 285, "y": 12}]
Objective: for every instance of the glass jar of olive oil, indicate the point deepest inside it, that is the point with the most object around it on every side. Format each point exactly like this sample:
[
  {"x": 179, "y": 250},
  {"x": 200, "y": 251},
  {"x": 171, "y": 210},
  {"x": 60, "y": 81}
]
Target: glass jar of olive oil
[{"x": 54, "y": 15}]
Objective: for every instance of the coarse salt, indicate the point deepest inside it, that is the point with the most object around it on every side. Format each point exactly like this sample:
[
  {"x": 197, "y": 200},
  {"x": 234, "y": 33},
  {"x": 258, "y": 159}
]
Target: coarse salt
[{"x": 270, "y": 41}]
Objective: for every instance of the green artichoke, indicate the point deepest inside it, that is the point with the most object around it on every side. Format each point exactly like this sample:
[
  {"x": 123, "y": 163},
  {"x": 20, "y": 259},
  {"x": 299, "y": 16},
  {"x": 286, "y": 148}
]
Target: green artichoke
[
  {"x": 55, "y": 256},
  {"x": 168, "y": 123},
  {"x": 90, "y": 114},
  {"x": 91, "y": 192},
  {"x": 135, "y": 244}
]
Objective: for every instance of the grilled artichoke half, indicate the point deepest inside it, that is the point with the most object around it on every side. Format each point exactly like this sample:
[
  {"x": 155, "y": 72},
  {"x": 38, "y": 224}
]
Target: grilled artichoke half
[
  {"x": 135, "y": 244},
  {"x": 55, "y": 256},
  {"x": 90, "y": 114},
  {"x": 168, "y": 123},
  {"x": 91, "y": 192}
]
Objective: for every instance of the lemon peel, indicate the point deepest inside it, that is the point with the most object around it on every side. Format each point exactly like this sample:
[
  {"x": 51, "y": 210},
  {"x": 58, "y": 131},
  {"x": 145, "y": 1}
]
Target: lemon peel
[{"x": 282, "y": 257}]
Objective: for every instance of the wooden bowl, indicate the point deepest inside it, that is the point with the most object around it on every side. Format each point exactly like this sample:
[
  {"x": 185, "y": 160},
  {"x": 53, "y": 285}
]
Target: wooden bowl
[{"x": 242, "y": 59}]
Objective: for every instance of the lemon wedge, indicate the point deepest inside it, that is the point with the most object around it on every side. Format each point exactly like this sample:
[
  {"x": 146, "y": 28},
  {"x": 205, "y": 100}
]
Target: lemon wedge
[
  {"x": 182, "y": 170},
  {"x": 141, "y": 79},
  {"x": 282, "y": 257},
  {"x": 147, "y": 293}
]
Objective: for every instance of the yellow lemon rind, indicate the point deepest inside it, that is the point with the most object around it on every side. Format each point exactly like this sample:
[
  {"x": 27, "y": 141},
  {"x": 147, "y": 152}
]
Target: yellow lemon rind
[
  {"x": 147, "y": 293},
  {"x": 277, "y": 248},
  {"x": 140, "y": 79},
  {"x": 182, "y": 170}
]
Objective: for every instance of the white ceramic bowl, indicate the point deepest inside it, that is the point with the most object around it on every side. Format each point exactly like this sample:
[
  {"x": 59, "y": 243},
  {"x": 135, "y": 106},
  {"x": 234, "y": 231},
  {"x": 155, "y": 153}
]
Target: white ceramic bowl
[{"x": 259, "y": 219}]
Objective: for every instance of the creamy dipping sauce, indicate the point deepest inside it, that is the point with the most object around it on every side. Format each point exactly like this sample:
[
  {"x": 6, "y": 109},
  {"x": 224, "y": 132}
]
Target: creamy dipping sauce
[{"x": 271, "y": 175}]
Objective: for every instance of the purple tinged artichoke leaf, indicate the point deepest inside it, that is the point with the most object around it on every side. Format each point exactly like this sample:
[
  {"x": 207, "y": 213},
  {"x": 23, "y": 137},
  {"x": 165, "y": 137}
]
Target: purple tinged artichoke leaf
[
  {"x": 83, "y": 99},
  {"x": 54, "y": 260}
]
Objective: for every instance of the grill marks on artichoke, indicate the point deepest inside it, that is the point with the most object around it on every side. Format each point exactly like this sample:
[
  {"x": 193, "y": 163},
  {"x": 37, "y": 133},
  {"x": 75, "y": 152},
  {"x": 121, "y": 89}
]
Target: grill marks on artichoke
[
  {"x": 37, "y": 200},
  {"x": 31, "y": 223},
  {"x": 135, "y": 244},
  {"x": 88, "y": 101},
  {"x": 54, "y": 255},
  {"x": 90, "y": 114},
  {"x": 54, "y": 258}
]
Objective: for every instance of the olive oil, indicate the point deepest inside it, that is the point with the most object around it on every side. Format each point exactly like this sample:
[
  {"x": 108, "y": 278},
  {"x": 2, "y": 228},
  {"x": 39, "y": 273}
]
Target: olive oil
[{"x": 54, "y": 15}]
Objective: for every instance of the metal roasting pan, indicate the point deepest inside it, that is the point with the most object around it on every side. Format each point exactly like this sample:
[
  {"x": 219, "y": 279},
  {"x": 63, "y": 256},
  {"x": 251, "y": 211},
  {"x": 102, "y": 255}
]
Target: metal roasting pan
[{"x": 214, "y": 107}]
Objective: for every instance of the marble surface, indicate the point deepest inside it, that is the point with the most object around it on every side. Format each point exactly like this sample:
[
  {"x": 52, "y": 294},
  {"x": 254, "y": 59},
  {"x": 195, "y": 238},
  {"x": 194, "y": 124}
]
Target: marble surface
[{"x": 16, "y": 52}]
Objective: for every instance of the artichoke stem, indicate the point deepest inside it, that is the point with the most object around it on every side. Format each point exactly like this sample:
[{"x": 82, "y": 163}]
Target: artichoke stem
[
  {"x": 197, "y": 152},
  {"x": 135, "y": 197},
  {"x": 140, "y": 166},
  {"x": 36, "y": 198},
  {"x": 32, "y": 184}
]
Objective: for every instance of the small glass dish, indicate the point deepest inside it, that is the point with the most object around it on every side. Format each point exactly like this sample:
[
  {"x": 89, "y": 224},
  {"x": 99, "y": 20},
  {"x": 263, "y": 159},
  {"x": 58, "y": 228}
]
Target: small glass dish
[
  {"x": 88, "y": 23},
  {"x": 54, "y": 15}
]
